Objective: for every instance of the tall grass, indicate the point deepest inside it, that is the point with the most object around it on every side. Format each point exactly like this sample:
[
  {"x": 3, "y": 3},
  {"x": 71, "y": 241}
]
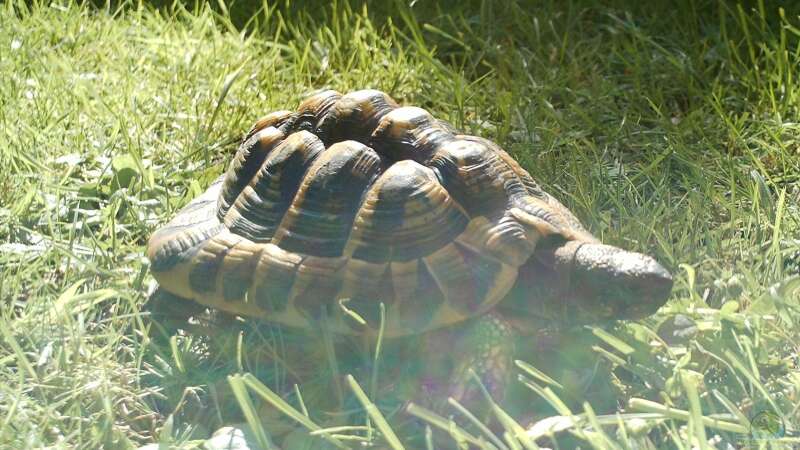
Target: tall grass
[{"x": 669, "y": 129}]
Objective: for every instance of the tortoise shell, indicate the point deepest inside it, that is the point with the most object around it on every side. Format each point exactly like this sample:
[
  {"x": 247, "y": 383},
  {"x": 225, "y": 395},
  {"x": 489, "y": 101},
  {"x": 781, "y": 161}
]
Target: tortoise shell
[{"x": 353, "y": 201}]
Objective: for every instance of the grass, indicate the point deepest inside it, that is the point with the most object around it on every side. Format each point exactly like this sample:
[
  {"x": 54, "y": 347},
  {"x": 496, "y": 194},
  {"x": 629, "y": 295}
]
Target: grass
[{"x": 670, "y": 129}]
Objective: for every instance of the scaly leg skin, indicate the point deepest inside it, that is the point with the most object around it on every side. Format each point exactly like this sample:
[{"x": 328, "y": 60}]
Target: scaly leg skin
[{"x": 484, "y": 345}]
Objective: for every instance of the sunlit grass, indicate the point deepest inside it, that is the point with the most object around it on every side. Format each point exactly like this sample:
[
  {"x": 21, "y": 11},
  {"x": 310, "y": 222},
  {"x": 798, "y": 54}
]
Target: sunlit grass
[{"x": 670, "y": 130}]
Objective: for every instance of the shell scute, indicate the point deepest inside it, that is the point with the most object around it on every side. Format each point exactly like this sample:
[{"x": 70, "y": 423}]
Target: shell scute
[
  {"x": 277, "y": 119},
  {"x": 502, "y": 238},
  {"x": 531, "y": 187},
  {"x": 274, "y": 278},
  {"x": 262, "y": 204},
  {"x": 245, "y": 164},
  {"x": 354, "y": 116},
  {"x": 314, "y": 108},
  {"x": 467, "y": 278},
  {"x": 208, "y": 262},
  {"x": 177, "y": 241},
  {"x": 418, "y": 298},
  {"x": 405, "y": 215},
  {"x": 238, "y": 269},
  {"x": 475, "y": 176},
  {"x": 319, "y": 220},
  {"x": 316, "y": 286},
  {"x": 362, "y": 279},
  {"x": 409, "y": 133}
]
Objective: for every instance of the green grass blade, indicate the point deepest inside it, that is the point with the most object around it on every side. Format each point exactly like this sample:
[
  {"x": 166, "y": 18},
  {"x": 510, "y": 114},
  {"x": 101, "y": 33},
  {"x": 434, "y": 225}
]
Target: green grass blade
[
  {"x": 375, "y": 415},
  {"x": 248, "y": 409},
  {"x": 639, "y": 404},
  {"x": 446, "y": 425},
  {"x": 275, "y": 400}
]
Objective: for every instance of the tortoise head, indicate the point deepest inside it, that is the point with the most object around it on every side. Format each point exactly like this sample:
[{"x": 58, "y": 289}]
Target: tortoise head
[{"x": 576, "y": 282}]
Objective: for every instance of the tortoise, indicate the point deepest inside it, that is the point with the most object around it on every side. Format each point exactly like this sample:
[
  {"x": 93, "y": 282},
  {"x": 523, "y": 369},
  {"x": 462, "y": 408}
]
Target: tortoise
[{"x": 353, "y": 208}]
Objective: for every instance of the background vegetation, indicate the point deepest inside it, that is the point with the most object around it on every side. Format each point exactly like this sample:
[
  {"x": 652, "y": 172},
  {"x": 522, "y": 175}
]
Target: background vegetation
[{"x": 670, "y": 128}]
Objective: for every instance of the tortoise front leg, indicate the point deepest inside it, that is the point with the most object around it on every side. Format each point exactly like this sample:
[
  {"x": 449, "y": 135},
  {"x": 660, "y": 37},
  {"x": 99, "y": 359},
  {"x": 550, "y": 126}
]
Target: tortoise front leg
[
  {"x": 484, "y": 345},
  {"x": 487, "y": 348}
]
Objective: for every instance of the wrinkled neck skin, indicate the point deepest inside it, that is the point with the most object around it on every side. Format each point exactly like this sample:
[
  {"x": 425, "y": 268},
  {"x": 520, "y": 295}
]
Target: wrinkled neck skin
[{"x": 537, "y": 301}]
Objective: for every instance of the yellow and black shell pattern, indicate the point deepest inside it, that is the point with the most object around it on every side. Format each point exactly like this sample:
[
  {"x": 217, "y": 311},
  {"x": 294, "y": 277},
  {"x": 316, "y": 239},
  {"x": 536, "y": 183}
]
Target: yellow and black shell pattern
[{"x": 353, "y": 201}]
